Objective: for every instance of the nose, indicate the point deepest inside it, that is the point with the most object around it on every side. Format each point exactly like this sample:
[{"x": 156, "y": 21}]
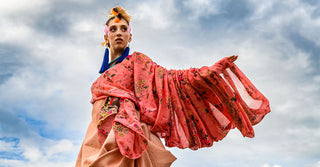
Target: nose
[{"x": 119, "y": 33}]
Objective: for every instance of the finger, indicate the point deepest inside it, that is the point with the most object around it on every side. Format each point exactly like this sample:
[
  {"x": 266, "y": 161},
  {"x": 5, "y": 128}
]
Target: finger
[{"x": 233, "y": 58}]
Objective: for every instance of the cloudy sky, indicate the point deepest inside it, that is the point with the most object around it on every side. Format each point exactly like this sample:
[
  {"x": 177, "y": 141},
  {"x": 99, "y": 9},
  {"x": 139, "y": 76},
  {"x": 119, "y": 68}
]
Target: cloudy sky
[{"x": 50, "y": 54}]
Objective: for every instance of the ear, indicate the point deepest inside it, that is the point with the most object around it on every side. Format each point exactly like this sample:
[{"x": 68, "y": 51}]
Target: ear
[
  {"x": 130, "y": 38},
  {"x": 106, "y": 39}
]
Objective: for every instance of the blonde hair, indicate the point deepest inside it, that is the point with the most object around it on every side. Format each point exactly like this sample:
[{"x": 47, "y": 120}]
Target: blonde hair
[{"x": 118, "y": 13}]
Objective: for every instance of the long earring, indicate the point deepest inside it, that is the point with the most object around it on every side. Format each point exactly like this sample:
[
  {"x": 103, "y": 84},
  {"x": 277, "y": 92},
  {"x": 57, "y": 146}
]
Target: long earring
[{"x": 105, "y": 63}]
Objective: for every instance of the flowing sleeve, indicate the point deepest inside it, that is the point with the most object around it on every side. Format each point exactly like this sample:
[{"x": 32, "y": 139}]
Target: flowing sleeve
[
  {"x": 188, "y": 108},
  {"x": 194, "y": 108}
]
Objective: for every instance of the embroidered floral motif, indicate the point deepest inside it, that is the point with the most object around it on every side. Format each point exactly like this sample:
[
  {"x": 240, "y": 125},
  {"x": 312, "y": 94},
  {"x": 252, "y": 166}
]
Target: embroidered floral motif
[
  {"x": 140, "y": 85},
  {"x": 119, "y": 129},
  {"x": 107, "y": 110}
]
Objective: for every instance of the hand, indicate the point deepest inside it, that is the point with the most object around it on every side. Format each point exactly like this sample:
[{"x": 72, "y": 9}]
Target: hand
[{"x": 233, "y": 58}]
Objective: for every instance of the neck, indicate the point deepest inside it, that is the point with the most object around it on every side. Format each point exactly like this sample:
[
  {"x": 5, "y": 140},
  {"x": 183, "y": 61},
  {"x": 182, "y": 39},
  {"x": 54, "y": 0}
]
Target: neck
[{"x": 115, "y": 53}]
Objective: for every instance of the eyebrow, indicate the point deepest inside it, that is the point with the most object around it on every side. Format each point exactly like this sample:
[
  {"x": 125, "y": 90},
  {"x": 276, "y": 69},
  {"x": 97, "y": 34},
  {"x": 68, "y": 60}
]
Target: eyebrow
[{"x": 120, "y": 25}]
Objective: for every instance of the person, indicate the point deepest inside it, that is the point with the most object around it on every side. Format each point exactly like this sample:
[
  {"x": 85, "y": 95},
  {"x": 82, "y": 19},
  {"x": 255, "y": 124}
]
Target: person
[{"x": 136, "y": 102}]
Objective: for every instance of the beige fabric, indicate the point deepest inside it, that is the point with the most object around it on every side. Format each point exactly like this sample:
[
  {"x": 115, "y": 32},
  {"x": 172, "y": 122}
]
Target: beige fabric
[{"x": 94, "y": 155}]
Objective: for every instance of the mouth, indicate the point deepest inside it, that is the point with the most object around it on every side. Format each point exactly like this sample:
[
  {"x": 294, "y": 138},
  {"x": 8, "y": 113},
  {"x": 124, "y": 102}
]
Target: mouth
[{"x": 119, "y": 40}]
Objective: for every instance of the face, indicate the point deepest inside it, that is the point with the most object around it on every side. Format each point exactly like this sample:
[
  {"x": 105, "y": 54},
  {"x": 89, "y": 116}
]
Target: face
[{"x": 118, "y": 36}]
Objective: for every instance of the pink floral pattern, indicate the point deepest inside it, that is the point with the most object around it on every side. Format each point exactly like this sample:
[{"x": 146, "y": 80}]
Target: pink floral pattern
[{"x": 188, "y": 108}]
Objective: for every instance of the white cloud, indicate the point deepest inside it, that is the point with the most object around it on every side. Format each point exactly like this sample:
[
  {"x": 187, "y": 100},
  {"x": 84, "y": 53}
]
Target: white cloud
[
  {"x": 6, "y": 146},
  {"x": 32, "y": 153},
  {"x": 13, "y": 32},
  {"x": 20, "y": 7},
  {"x": 267, "y": 165},
  {"x": 63, "y": 146},
  {"x": 317, "y": 164},
  {"x": 199, "y": 8},
  {"x": 38, "y": 153},
  {"x": 274, "y": 16},
  {"x": 40, "y": 163},
  {"x": 157, "y": 14}
]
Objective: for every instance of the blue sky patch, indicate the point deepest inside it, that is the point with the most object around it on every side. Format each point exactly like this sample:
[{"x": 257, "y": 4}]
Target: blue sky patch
[{"x": 13, "y": 151}]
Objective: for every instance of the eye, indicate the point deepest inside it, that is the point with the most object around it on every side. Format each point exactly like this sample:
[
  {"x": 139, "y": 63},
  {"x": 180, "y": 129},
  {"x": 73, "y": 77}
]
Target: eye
[
  {"x": 124, "y": 28},
  {"x": 112, "y": 29}
]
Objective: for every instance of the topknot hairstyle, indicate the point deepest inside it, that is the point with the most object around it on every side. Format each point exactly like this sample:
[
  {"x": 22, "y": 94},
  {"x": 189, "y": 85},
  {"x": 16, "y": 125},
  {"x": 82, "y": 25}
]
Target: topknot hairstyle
[{"x": 118, "y": 13}]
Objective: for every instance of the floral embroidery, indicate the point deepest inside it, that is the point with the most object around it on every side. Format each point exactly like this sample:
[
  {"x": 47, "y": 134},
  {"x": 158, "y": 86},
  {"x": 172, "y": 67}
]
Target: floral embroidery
[
  {"x": 140, "y": 85},
  {"x": 119, "y": 129},
  {"x": 107, "y": 110}
]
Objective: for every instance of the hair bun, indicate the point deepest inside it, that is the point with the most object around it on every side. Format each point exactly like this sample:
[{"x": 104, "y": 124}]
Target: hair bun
[{"x": 118, "y": 13}]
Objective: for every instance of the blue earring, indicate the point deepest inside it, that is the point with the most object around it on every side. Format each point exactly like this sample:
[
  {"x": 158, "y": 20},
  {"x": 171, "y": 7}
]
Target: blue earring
[{"x": 105, "y": 63}]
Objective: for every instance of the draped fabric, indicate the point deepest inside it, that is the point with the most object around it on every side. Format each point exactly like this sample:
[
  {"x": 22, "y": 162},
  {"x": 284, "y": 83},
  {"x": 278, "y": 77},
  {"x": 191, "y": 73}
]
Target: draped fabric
[
  {"x": 188, "y": 108},
  {"x": 96, "y": 154}
]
